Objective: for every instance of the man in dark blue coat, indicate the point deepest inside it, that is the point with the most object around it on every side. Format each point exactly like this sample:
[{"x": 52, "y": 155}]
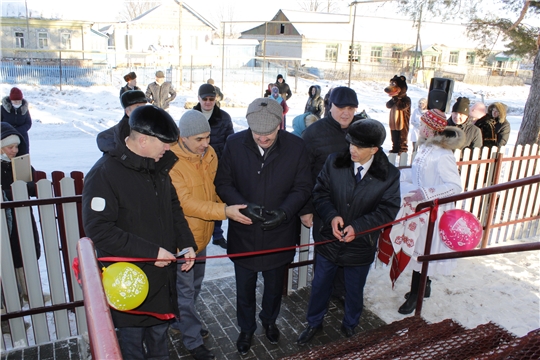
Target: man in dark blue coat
[
  {"x": 268, "y": 170},
  {"x": 221, "y": 127},
  {"x": 357, "y": 190}
]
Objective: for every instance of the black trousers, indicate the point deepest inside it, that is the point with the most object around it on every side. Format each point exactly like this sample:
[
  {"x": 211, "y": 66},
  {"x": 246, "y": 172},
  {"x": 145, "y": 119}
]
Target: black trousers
[{"x": 246, "y": 303}]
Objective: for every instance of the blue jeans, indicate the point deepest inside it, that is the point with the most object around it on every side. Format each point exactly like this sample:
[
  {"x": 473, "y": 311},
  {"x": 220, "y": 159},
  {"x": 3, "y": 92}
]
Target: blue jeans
[
  {"x": 321, "y": 290},
  {"x": 131, "y": 341},
  {"x": 188, "y": 286}
]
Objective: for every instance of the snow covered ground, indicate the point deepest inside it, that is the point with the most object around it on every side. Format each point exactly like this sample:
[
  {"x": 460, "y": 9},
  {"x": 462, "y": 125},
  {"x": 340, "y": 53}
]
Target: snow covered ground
[{"x": 504, "y": 289}]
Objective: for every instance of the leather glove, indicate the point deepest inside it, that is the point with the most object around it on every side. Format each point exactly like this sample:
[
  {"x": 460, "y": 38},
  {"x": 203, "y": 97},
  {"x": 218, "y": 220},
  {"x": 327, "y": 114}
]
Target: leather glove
[
  {"x": 275, "y": 218},
  {"x": 254, "y": 212}
]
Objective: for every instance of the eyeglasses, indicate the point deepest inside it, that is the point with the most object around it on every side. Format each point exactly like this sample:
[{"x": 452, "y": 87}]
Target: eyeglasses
[{"x": 209, "y": 99}]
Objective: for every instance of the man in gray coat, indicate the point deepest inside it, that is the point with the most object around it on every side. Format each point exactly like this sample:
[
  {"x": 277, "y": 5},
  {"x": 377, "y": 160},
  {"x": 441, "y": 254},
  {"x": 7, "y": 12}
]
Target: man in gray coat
[{"x": 160, "y": 93}]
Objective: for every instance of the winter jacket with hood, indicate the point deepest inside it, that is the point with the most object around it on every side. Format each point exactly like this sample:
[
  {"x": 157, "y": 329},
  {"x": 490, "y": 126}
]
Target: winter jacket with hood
[
  {"x": 275, "y": 181},
  {"x": 130, "y": 209},
  {"x": 221, "y": 127},
  {"x": 7, "y": 180},
  {"x": 20, "y": 119},
  {"x": 193, "y": 178},
  {"x": 160, "y": 95},
  {"x": 495, "y": 132},
  {"x": 372, "y": 202},
  {"x": 315, "y": 103}
]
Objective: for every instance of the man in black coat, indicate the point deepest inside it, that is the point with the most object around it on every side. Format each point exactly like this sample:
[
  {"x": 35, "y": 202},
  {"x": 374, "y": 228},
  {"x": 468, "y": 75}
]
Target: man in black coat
[
  {"x": 357, "y": 190},
  {"x": 323, "y": 138},
  {"x": 221, "y": 127},
  {"x": 130, "y": 209},
  {"x": 257, "y": 169},
  {"x": 460, "y": 118}
]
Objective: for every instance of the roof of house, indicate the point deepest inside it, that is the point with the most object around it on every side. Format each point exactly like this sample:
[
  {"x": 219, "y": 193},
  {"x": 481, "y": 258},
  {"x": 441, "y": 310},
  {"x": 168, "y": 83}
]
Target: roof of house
[{"x": 372, "y": 29}]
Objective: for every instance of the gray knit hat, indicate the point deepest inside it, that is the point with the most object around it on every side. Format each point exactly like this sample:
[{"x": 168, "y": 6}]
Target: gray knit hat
[
  {"x": 193, "y": 122},
  {"x": 264, "y": 115}
]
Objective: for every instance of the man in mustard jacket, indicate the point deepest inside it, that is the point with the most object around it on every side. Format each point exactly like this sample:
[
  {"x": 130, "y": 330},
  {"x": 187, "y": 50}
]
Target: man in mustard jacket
[{"x": 193, "y": 177}]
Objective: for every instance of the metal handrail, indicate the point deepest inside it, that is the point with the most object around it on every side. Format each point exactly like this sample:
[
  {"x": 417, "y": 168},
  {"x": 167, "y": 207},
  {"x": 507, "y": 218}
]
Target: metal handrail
[
  {"x": 427, "y": 257},
  {"x": 101, "y": 332}
]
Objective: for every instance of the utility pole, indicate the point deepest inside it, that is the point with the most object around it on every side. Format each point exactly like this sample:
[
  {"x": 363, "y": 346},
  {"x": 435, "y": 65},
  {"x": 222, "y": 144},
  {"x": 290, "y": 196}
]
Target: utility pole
[
  {"x": 180, "y": 75},
  {"x": 352, "y": 45},
  {"x": 417, "y": 42}
]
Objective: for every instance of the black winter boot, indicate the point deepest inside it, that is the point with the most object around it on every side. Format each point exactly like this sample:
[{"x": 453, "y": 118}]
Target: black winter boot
[
  {"x": 427, "y": 293},
  {"x": 409, "y": 305}
]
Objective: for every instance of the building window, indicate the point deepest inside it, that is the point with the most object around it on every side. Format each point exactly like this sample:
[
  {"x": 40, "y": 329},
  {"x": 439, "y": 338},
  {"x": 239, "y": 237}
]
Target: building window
[
  {"x": 43, "y": 40},
  {"x": 282, "y": 29},
  {"x": 376, "y": 54},
  {"x": 129, "y": 42},
  {"x": 354, "y": 53},
  {"x": 454, "y": 56},
  {"x": 66, "y": 40},
  {"x": 471, "y": 57},
  {"x": 331, "y": 53},
  {"x": 396, "y": 53},
  {"x": 19, "y": 40}
]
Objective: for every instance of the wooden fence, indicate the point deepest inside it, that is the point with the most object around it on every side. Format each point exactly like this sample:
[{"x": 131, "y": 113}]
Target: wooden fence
[{"x": 54, "y": 307}]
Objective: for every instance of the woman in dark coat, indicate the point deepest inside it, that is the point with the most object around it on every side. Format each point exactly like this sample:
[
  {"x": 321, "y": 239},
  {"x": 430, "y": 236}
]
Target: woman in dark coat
[
  {"x": 15, "y": 112},
  {"x": 315, "y": 103},
  {"x": 11, "y": 141},
  {"x": 494, "y": 125},
  {"x": 356, "y": 190}
]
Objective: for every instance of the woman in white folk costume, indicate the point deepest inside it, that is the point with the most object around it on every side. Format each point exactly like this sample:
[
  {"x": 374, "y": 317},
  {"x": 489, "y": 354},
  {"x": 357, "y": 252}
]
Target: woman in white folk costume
[{"x": 433, "y": 175}]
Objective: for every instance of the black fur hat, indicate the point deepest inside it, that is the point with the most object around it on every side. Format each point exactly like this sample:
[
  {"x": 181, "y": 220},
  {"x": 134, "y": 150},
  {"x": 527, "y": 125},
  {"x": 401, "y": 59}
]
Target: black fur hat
[
  {"x": 154, "y": 121},
  {"x": 130, "y": 76},
  {"x": 131, "y": 97},
  {"x": 366, "y": 133}
]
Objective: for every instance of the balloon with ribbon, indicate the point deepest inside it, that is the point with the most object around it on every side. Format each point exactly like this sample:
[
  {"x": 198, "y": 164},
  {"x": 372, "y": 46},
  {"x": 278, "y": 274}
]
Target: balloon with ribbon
[
  {"x": 125, "y": 285},
  {"x": 460, "y": 230}
]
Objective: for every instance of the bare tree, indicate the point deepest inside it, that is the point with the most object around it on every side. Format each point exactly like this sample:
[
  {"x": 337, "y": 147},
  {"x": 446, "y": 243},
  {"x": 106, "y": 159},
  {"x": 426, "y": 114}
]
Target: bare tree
[
  {"x": 328, "y": 6},
  {"x": 134, "y": 8}
]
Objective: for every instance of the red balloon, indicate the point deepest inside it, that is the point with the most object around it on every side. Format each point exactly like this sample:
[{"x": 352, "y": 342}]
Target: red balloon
[{"x": 460, "y": 230}]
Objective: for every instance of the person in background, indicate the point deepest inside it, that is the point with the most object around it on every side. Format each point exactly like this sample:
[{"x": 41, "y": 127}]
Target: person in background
[
  {"x": 160, "y": 93},
  {"x": 130, "y": 100},
  {"x": 15, "y": 112},
  {"x": 460, "y": 119},
  {"x": 415, "y": 122},
  {"x": 281, "y": 101},
  {"x": 433, "y": 175},
  {"x": 193, "y": 178},
  {"x": 494, "y": 127},
  {"x": 257, "y": 169},
  {"x": 476, "y": 111},
  {"x": 327, "y": 103},
  {"x": 284, "y": 89},
  {"x": 324, "y": 137},
  {"x": 219, "y": 94},
  {"x": 130, "y": 209},
  {"x": 357, "y": 190},
  {"x": 131, "y": 83},
  {"x": 285, "y": 93},
  {"x": 221, "y": 127},
  {"x": 301, "y": 122},
  {"x": 268, "y": 90},
  {"x": 315, "y": 103},
  {"x": 10, "y": 143}
]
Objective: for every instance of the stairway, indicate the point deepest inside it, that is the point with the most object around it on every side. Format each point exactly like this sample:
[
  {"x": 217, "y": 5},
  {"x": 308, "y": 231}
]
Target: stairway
[{"x": 414, "y": 338}]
